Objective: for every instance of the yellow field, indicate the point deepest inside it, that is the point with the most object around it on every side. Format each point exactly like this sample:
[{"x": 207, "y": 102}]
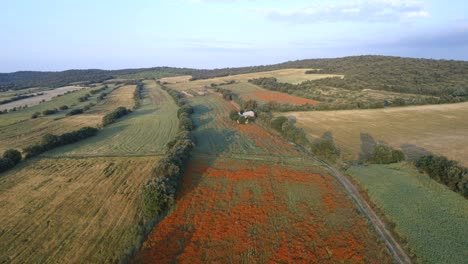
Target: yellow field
[
  {"x": 176, "y": 79},
  {"x": 439, "y": 129},
  {"x": 71, "y": 210},
  {"x": 123, "y": 96},
  {"x": 287, "y": 75}
]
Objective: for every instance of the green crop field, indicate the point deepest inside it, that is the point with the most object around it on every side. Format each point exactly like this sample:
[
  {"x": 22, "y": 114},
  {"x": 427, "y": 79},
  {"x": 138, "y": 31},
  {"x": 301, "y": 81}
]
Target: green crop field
[
  {"x": 439, "y": 129},
  {"x": 146, "y": 131},
  {"x": 431, "y": 218}
]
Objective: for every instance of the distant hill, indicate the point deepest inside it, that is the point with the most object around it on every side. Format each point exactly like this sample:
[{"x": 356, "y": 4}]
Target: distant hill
[{"x": 408, "y": 75}]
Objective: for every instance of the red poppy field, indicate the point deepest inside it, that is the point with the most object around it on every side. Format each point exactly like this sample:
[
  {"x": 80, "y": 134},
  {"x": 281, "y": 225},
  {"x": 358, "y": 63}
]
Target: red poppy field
[
  {"x": 257, "y": 210},
  {"x": 242, "y": 211}
]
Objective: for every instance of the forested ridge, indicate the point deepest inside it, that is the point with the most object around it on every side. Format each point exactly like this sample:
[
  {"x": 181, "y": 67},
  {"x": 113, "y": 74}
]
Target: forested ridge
[{"x": 408, "y": 75}]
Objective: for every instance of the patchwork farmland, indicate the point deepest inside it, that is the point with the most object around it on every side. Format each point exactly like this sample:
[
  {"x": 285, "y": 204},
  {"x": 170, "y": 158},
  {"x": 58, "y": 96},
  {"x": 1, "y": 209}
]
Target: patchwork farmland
[
  {"x": 166, "y": 171},
  {"x": 52, "y": 206},
  {"x": 236, "y": 205}
]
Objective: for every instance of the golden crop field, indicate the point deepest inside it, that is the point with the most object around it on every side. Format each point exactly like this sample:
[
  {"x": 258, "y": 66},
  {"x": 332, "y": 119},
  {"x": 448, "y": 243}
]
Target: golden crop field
[
  {"x": 71, "y": 210},
  {"x": 439, "y": 129}
]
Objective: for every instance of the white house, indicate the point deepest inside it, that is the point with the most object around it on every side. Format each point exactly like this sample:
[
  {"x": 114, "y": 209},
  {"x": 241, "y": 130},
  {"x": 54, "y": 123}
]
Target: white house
[{"x": 248, "y": 114}]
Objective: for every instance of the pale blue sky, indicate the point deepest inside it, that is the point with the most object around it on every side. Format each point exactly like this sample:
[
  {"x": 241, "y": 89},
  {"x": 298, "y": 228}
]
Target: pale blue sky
[{"x": 114, "y": 34}]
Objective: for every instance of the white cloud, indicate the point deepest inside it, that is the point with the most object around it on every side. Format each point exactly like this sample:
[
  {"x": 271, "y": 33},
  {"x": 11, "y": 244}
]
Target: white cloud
[{"x": 356, "y": 10}]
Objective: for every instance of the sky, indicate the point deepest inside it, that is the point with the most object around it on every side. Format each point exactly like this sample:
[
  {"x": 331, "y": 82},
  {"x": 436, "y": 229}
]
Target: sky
[{"x": 53, "y": 35}]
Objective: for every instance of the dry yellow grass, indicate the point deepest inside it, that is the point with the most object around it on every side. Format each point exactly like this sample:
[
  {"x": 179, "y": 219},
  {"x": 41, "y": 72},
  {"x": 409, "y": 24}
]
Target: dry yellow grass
[
  {"x": 71, "y": 210},
  {"x": 122, "y": 96},
  {"x": 439, "y": 129},
  {"x": 176, "y": 79}
]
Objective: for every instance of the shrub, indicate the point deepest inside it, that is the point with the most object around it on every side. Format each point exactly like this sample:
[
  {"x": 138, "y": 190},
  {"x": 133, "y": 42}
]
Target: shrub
[
  {"x": 10, "y": 159},
  {"x": 35, "y": 115},
  {"x": 63, "y": 107},
  {"x": 50, "y": 141},
  {"x": 242, "y": 120},
  {"x": 325, "y": 147},
  {"x": 234, "y": 115},
  {"x": 114, "y": 115},
  {"x": 185, "y": 109},
  {"x": 88, "y": 106},
  {"x": 5, "y": 164},
  {"x": 277, "y": 123},
  {"x": 384, "y": 154},
  {"x": 75, "y": 112},
  {"x": 49, "y": 111},
  {"x": 293, "y": 133},
  {"x": 185, "y": 122},
  {"x": 13, "y": 155},
  {"x": 445, "y": 171}
]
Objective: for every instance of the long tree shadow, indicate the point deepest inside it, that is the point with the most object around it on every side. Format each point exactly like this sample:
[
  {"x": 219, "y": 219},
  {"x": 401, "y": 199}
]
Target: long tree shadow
[
  {"x": 413, "y": 152},
  {"x": 368, "y": 144}
]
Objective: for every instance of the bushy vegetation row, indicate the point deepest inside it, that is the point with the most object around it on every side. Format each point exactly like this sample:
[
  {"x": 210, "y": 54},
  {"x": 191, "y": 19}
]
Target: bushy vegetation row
[
  {"x": 50, "y": 141},
  {"x": 19, "y": 97},
  {"x": 159, "y": 192},
  {"x": 306, "y": 89},
  {"x": 114, "y": 115},
  {"x": 9, "y": 159},
  {"x": 407, "y": 75},
  {"x": 383, "y": 154},
  {"x": 445, "y": 171},
  {"x": 137, "y": 95},
  {"x": 12, "y": 157}
]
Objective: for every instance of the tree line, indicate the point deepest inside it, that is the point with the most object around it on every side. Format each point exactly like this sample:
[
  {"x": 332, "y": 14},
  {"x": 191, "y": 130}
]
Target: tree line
[
  {"x": 445, "y": 171},
  {"x": 307, "y": 90},
  {"x": 114, "y": 115},
  {"x": 396, "y": 74},
  {"x": 19, "y": 97},
  {"x": 13, "y": 157}
]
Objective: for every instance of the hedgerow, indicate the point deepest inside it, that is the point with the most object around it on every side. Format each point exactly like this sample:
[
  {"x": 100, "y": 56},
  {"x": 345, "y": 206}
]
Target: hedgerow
[
  {"x": 9, "y": 159},
  {"x": 114, "y": 115},
  {"x": 50, "y": 141},
  {"x": 445, "y": 171}
]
